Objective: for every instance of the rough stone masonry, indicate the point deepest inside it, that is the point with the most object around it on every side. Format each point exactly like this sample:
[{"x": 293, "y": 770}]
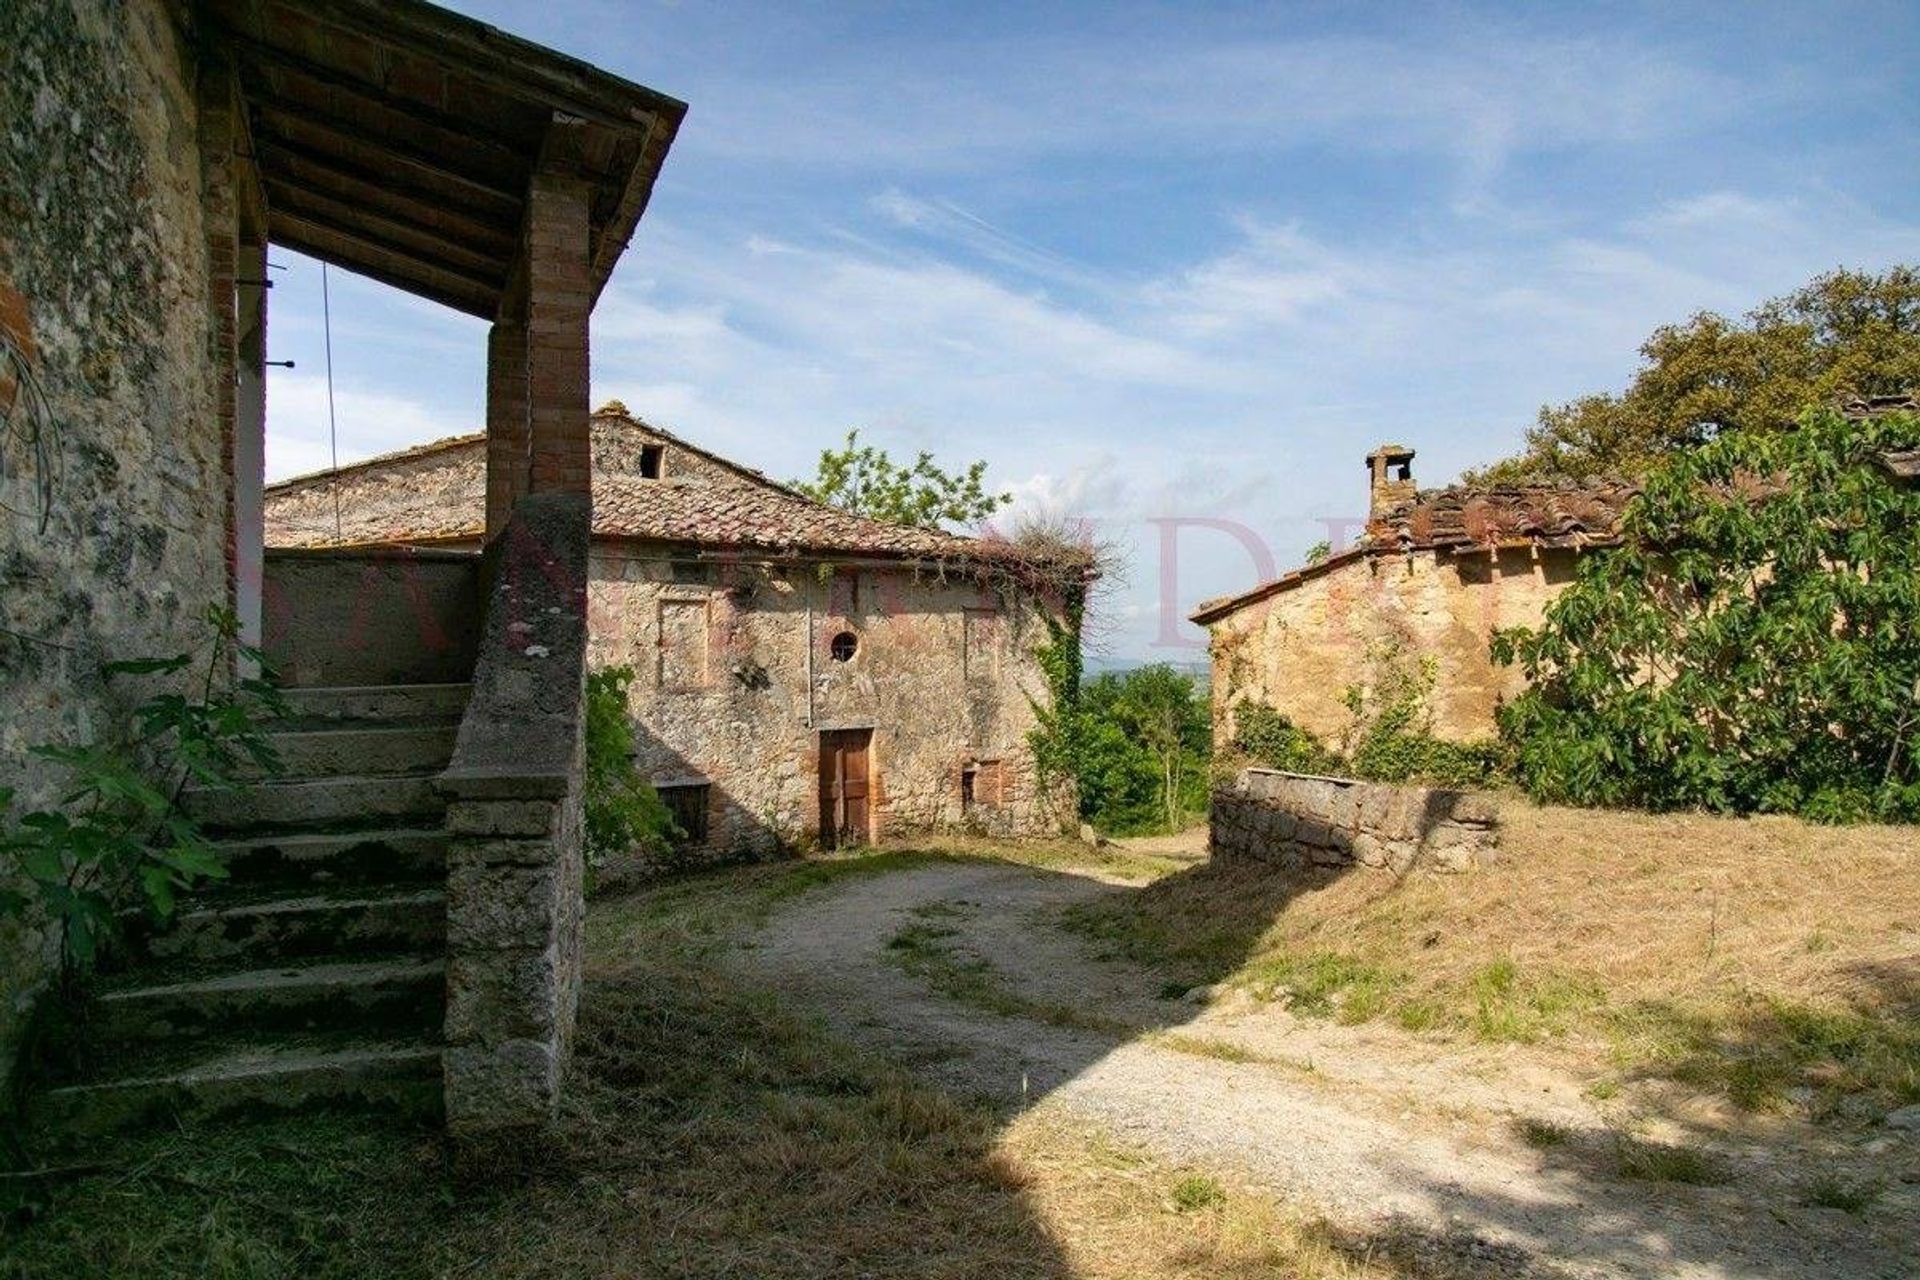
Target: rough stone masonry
[{"x": 1298, "y": 820}]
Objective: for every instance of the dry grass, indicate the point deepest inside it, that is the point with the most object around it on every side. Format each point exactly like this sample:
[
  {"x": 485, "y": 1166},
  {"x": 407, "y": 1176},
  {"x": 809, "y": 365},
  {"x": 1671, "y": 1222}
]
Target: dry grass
[
  {"x": 1119, "y": 1216},
  {"x": 711, "y": 1131},
  {"x": 1749, "y": 956}
]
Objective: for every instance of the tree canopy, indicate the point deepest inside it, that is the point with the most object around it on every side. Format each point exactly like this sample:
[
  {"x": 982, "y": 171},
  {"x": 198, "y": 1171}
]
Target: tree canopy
[
  {"x": 1845, "y": 333},
  {"x": 864, "y": 480},
  {"x": 1750, "y": 647}
]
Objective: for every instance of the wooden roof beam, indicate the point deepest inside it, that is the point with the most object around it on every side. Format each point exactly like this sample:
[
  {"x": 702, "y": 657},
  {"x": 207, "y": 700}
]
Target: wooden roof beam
[
  {"x": 282, "y": 123},
  {"x": 388, "y": 263},
  {"x": 255, "y": 52},
  {"x": 344, "y": 180},
  {"x": 287, "y": 195}
]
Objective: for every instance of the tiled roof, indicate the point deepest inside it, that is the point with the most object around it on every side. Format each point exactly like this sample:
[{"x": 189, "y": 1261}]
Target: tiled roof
[
  {"x": 754, "y": 514},
  {"x": 1550, "y": 516},
  {"x": 1462, "y": 519}
]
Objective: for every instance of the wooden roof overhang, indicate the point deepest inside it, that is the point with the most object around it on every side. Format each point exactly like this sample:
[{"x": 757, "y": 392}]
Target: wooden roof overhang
[{"x": 396, "y": 139}]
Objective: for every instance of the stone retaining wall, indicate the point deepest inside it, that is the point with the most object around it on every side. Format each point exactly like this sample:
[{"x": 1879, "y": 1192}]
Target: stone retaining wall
[{"x": 1293, "y": 819}]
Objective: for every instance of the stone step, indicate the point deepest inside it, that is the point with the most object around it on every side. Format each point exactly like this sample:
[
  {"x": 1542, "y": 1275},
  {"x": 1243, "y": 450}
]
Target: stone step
[
  {"x": 365, "y": 748},
  {"x": 382, "y": 855},
  {"x": 405, "y": 995},
  {"x": 389, "y": 921},
  {"x": 400, "y": 1075},
  {"x": 393, "y": 703},
  {"x": 318, "y": 803}
]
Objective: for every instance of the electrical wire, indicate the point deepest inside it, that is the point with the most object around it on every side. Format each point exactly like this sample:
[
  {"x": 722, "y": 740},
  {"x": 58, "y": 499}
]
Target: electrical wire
[{"x": 333, "y": 429}]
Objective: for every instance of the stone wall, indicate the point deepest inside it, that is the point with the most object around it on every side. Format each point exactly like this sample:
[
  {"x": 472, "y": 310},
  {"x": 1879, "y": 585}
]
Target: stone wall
[
  {"x": 384, "y": 616},
  {"x": 736, "y": 681},
  {"x": 383, "y": 500},
  {"x": 1295, "y": 820},
  {"x": 115, "y": 527},
  {"x": 1300, "y": 650}
]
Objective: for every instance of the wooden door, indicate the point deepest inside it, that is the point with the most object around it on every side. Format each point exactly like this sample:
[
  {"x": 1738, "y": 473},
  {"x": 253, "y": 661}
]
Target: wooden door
[{"x": 845, "y": 764}]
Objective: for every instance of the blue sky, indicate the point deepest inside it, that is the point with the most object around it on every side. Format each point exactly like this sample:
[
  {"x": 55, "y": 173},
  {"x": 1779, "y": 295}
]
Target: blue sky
[{"x": 1167, "y": 262}]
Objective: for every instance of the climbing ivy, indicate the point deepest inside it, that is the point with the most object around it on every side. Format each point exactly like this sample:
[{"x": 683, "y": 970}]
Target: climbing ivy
[
  {"x": 1751, "y": 645},
  {"x": 1388, "y": 736}
]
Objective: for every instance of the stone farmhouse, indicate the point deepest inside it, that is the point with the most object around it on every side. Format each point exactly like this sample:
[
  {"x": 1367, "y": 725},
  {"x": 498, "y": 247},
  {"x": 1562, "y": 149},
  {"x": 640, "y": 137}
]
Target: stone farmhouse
[
  {"x": 1435, "y": 575},
  {"x": 800, "y": 672},
  {"x": 403, "y": 920}
]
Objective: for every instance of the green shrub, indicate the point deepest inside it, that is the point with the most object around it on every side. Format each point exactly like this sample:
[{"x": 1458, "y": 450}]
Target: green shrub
[
  {"x": 120, "y": 836},
  {"x": 1750, "y": 645},
  {"x": 624, "y": 814},
  {"x": 1263, "y": 734}
]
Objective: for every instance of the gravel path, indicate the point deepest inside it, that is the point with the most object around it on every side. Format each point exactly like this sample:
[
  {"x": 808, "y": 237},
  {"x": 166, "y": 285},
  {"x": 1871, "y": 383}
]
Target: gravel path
[{"x": 1383, "y": 1133}]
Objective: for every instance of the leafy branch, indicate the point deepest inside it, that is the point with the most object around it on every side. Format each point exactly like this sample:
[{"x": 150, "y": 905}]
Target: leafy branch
[{"x": 120, "y": 836}]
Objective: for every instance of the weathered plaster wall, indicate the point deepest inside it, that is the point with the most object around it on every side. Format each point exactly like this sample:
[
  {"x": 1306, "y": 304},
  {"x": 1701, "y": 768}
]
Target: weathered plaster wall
[
  {"x": 1294, "y": 820},
  {"x": 104, "y": 290},
  {"x": 736, "y": 682},
  {"x": 1300, "y": 650}
]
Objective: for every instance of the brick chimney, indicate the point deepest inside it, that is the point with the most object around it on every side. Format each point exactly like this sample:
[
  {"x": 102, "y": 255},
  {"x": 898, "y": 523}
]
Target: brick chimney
[{"x": 1389, "y": 479}]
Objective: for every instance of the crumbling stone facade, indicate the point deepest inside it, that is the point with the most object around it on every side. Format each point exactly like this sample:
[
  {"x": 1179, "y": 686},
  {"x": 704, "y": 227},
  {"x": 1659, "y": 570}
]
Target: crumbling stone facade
[
  {"x": 737, "y": 678},
  {"x": 1436, "y": 575},
  {"x": 115, "y": 490},
  {"x": 759, "y": 626},
  {"x": 1296, "y": 820}
]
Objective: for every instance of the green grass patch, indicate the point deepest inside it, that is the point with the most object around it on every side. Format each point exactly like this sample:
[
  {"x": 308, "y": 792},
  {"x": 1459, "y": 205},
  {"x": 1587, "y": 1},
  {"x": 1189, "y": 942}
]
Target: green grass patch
[
  {"x": 1518, "y": 1007},
  {"x": 1196, "y": 1192},
  {"x": 1665, "y": 1162},
  {"x": 1753, "y": 1051},
  {"x": 1543, "y": 1135},
  {"x": 1849, "y": 1195},
  {"x": 928, "y": 950}
]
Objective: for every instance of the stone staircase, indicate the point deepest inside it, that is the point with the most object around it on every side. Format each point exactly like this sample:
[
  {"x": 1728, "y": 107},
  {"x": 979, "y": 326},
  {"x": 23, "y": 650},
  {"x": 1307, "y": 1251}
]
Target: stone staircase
[{"x": 317, "y": 972}]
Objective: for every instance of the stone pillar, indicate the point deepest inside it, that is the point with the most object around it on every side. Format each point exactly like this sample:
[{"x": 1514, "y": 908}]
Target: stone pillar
[
  {"x": 559, "y": 299},
  {"x": 507, "y": 453}
]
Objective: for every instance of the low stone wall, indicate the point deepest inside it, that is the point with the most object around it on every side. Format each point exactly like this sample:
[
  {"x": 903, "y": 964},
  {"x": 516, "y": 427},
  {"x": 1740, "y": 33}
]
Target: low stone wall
[
  {"x": 379, "y": 616},
  {"x": 515, "y": 892},
  {"x": 1294, "y": 819}
]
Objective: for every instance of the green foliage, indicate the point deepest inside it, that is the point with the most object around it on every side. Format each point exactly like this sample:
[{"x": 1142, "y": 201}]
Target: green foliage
[
  {"x": 1263, "y": 734},
  {"x": 1389, "y": 737},
  {"x": 624, "y": 814},
  {"x": 1750, "y": 648},
  {"x": 1135, "y": 746},
  {"x": 864, "y": 480},
  {"x": 1146, "y": 750},
  {"x": 1319, "y": 552},
  {"x": 119, "y": 837},
  {"x": 1846, "y": 333}
]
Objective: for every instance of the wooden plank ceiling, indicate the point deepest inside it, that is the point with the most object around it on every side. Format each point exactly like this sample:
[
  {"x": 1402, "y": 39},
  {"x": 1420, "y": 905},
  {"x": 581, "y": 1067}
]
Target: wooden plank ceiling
[{"x": 397, "y": 140}]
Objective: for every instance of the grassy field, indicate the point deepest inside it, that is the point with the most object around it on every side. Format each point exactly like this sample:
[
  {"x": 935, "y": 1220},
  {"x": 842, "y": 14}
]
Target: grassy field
[
  {"x": 1769, "y": 961},
  {"x": 710, "y": 1132}
]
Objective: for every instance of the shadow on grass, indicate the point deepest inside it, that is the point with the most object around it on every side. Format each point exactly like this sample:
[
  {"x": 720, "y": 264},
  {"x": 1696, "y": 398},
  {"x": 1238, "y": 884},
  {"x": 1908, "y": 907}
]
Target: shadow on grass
[
  {"x": 708, "y": 1133},
  {"x": 1608, "y": 1198}
]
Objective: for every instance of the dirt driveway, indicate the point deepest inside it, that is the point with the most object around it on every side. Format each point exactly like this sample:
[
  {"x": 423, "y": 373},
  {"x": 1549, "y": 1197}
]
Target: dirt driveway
[{"x": 958, "y": 970}]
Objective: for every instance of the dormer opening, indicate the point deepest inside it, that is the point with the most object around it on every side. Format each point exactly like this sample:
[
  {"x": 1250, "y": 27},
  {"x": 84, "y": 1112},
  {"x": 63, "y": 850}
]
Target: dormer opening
[{"x": 651, "y": 456}]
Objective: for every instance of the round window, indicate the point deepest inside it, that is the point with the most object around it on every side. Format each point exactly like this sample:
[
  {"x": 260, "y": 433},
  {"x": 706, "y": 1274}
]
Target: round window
[{"x": 844, "y": 646}]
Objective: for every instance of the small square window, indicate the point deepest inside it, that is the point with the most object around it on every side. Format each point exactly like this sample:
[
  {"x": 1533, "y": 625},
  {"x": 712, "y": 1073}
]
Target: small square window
[
  {"x": 982, "y": 785},
  {"x": 651, "y": 456},
  {"x": 687, "y": 802}
]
